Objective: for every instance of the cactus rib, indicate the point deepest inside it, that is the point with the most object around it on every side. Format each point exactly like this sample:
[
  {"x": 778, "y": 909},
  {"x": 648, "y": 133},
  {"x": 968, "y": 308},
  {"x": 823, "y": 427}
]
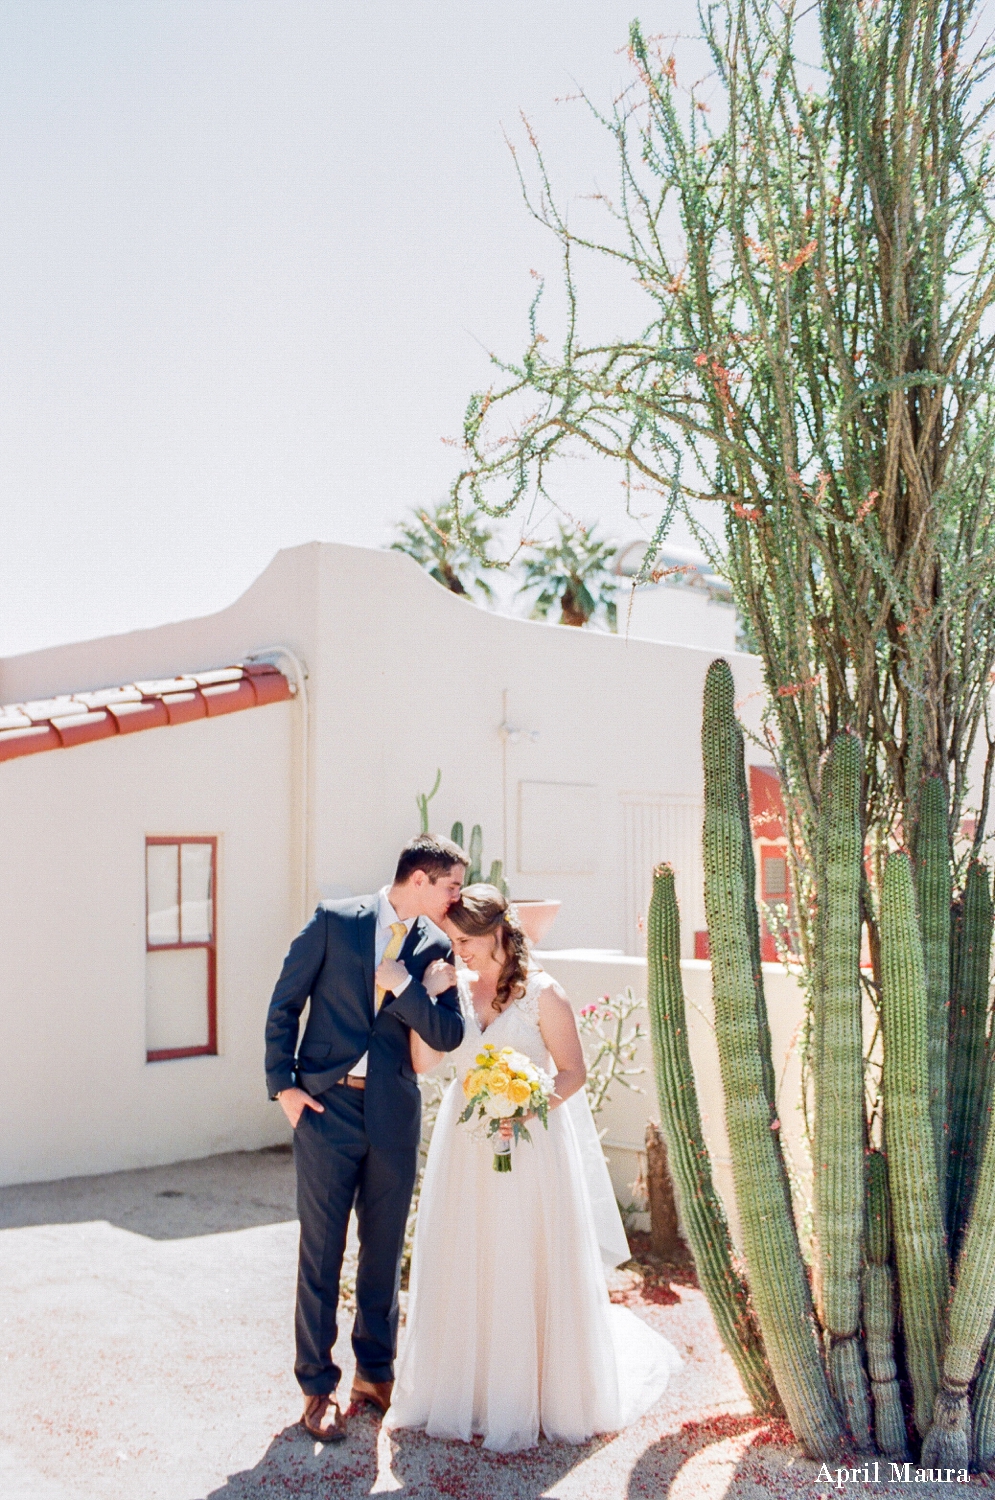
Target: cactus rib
[
  {"x": 777, "y": 1278},
  {"x": 915, "y": 1202},
  {"x": 702, "y": 1217},
  {"x": 839, "y": 1130}
]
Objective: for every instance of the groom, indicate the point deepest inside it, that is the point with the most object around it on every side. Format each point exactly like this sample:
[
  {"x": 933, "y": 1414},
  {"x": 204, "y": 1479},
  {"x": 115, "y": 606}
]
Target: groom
[{"x": 351, "y": 1095}]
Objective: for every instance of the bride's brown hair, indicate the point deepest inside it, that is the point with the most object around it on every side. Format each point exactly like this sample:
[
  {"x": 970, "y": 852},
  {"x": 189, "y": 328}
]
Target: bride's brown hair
[{"x": 482, "y": 910}]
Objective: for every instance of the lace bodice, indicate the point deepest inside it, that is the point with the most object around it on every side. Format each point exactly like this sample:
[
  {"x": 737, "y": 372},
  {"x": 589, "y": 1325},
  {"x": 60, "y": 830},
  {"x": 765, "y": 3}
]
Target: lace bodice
[{"x": 517, "y": 1025}]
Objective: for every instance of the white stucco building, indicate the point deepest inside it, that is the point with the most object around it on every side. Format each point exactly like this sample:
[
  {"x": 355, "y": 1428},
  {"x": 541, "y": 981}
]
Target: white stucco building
[{"x": 152, "y": 877}]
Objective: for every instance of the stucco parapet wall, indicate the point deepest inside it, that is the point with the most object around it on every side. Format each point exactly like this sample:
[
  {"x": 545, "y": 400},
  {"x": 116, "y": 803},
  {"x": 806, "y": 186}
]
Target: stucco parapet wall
[{"x": 77, "y": 718}]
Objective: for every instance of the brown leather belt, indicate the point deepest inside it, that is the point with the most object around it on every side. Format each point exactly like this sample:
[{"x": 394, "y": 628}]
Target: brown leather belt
[{"x": 352, "y": 1082}]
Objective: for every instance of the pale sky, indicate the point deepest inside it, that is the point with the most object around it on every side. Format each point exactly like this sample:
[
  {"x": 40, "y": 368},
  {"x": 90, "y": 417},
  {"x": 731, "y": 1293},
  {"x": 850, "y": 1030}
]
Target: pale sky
[{"x": 253, "y": 253}]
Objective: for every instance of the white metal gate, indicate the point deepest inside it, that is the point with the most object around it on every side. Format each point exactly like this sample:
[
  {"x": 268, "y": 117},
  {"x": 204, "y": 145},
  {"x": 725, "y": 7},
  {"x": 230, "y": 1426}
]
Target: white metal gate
[{"x": 658, "y": 827}]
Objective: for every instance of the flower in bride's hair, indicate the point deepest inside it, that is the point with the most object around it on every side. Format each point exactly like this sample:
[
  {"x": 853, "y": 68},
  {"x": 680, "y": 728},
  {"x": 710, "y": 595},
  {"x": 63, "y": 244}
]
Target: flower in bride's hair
[{"x": 519, "y": 1091}]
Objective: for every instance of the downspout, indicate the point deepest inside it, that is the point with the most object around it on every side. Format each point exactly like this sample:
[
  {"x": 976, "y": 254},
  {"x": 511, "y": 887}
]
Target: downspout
[{"x": 276, "y": 656}]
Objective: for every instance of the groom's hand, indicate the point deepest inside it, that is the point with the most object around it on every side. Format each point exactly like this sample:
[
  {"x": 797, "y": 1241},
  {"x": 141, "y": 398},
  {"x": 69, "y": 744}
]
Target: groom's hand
[{"x": 294, "y": 1102}]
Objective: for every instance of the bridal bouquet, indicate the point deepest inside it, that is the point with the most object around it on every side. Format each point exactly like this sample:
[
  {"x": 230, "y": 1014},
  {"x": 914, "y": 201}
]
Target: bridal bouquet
[{"x": 506, "y": 1085}]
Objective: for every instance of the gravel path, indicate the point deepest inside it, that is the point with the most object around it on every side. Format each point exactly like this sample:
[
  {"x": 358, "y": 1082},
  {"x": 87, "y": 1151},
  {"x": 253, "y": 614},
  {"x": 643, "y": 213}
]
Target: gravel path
[{"x": 146, "y": 1354}]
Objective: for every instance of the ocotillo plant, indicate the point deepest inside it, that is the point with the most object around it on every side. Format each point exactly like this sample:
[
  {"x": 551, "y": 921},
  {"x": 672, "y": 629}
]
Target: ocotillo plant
[{"x": 881, "y": 1253}]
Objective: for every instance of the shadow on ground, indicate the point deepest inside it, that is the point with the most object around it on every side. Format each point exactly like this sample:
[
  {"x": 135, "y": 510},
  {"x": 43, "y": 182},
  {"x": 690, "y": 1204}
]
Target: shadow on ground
[
  {"x": 241, "y": 1190},
  {"x": 420, "y": 1468}
]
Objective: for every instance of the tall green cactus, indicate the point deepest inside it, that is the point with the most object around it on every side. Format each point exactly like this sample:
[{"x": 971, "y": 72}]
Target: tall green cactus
[
  {"x": 476, "y": 853},
  {"x": 933, "y": 889},
  {"x": 970, "y": 1319},
  {"x": 496, "y": 877},
  {"x": 920, "y": 1248},
  {"x": 838, "y": 1164},
  {"x": 457, "y": 834},
  {"x": 703, "y": 1220},
  {"x": 968, "y": 1022},
  {"x": 879, "y": 1313},
  {"x": 776, "y": 1273}
]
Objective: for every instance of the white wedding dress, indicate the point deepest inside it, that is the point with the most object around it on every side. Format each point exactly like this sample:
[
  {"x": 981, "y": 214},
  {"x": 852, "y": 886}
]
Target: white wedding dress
[{"x": 509, "y": 1329}]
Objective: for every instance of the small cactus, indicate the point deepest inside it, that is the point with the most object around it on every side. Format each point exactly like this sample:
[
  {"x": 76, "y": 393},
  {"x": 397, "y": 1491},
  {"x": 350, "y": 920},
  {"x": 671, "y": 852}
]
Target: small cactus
[
  {"x": 476, "y": 853},
  {"x": 424, "y": 798},
  {"x": 456, "y": 834},
  {"x": 496, "y": 877}
]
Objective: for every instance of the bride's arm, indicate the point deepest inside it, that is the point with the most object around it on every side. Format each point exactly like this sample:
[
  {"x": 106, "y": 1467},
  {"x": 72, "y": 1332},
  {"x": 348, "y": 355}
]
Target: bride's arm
[
  {"x": 438, "y": 977},
  {"x": 423, "y": 1057},
  {"x": 559, "y": 1031}
]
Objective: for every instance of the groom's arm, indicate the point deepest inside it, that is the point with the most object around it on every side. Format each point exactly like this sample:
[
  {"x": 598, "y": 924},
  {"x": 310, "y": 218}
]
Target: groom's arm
[
  {"x": 438, "y": 1022},
  {"x": 301, "y": 968}
]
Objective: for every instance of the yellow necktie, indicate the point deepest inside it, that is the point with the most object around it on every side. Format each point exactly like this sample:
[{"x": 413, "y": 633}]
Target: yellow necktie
[{"x": 392, "y": 949}]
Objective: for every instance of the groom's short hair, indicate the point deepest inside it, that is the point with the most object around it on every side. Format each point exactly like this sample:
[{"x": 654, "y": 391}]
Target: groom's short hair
[{"x": 436, "y": 856}]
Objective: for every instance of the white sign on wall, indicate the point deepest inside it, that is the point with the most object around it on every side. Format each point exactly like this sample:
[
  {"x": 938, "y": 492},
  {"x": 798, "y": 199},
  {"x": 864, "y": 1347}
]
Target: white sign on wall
[{"x": 557, "y": 828}]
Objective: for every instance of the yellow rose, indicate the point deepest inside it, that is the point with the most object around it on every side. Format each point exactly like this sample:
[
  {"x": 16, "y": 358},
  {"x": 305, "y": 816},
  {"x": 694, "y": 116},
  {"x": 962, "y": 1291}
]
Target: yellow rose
[
  {"x": 519, "y": 1091},
  {"x": 473, "y": 1083},
  {"x": 498, "y": 1080}
]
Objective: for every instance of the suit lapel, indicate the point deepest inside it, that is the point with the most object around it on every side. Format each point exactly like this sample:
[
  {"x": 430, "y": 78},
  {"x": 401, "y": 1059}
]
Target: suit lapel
[{"x": 366, "y": 925}]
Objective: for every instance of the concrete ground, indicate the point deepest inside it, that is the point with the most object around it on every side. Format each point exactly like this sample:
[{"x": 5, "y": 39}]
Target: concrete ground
[{"x": 146, "y": 1352}]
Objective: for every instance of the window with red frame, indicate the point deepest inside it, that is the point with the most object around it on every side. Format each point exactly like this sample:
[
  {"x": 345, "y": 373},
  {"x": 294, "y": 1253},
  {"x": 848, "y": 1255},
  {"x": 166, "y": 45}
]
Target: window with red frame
[{"x": 180, "y": 948}]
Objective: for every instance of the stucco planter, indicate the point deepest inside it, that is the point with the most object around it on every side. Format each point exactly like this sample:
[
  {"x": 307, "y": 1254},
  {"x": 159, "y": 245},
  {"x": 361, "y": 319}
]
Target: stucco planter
[{"x": 536, "y": 917}]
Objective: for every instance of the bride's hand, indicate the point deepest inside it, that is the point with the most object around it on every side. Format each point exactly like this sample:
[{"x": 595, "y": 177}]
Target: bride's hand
[
  {"x": 439, "y": 977},
  {"x": 506, "y": 1130}
]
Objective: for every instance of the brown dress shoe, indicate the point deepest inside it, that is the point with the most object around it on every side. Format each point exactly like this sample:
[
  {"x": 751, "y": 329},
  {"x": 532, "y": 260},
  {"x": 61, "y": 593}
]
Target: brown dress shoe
[
  {"x": 376, "y": 1392},
  {"x": 322, "y": 1419}
]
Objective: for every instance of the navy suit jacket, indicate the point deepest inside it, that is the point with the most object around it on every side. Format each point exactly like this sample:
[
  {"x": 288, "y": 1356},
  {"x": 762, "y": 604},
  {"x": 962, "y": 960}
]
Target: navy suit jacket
[{"x": 332, "y": 963}]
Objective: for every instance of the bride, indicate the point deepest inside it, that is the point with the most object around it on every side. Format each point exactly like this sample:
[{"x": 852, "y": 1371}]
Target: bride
[{"x": 509, "y": 1329}]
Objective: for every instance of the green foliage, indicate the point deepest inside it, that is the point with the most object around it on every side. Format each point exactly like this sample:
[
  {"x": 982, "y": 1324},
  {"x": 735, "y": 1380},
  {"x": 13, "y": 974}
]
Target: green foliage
[
  {"x": 575, "y": 576},
  {"x": 451, "y": 546}
]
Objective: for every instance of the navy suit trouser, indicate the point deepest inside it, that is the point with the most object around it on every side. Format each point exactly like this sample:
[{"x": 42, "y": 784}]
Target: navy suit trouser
[{"x": 337, "y": 1168}]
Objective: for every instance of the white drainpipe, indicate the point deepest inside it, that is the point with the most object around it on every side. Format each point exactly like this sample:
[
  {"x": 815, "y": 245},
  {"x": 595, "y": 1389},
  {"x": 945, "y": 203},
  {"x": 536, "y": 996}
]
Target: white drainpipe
[{"x": 277, "y": 655}]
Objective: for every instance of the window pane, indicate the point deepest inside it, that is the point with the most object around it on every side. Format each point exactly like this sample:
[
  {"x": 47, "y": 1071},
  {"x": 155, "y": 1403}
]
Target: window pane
[
  {"x": 176, "y": 999},
  {"x": 775, "y": 876},
  {"x": 161, "y": 867},
  {"x": 195, "y": 869}
]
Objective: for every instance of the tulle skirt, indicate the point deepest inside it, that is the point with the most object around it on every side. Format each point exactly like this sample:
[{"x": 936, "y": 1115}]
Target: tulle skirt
[{"x": 509, "y": 1330}]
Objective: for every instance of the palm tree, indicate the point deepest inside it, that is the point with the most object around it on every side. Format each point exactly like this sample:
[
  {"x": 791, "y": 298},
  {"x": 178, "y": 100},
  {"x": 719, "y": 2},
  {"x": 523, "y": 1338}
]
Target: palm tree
[
  {"x": 451, "y": 549},
  {"x": 574, "y": 574}
]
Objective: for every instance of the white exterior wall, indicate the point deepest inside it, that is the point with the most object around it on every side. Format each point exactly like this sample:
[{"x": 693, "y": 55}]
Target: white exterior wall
[
  {"x": 403, "y": 677},
  {"x": 78, "y": 1096}
]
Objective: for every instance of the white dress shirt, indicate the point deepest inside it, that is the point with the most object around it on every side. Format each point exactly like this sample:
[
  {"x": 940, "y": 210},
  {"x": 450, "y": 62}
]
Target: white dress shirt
[{"x": 386, "y": 917}]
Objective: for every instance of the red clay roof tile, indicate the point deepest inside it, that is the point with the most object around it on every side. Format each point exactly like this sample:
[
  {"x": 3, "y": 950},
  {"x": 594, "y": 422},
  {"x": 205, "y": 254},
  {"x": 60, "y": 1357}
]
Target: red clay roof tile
[{"x": 75, "y": 718}]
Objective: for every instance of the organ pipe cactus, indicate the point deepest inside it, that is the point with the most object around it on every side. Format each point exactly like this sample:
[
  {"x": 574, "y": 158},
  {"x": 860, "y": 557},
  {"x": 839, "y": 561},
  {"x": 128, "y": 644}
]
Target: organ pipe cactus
[
  {"x": 838, "y": 1175},
  {"x": 777, "y": 1277},
  {"x": 702, "y": 1217},
  {"x": 476, "y": 853},
  {"x": 876, "y": 1211},
  {"x": 879, "y": 1313},
  {"x": 920, "y": 1248},
  {"x": 967, "y": 1055},
  {"x": 932, "y": 869}
]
